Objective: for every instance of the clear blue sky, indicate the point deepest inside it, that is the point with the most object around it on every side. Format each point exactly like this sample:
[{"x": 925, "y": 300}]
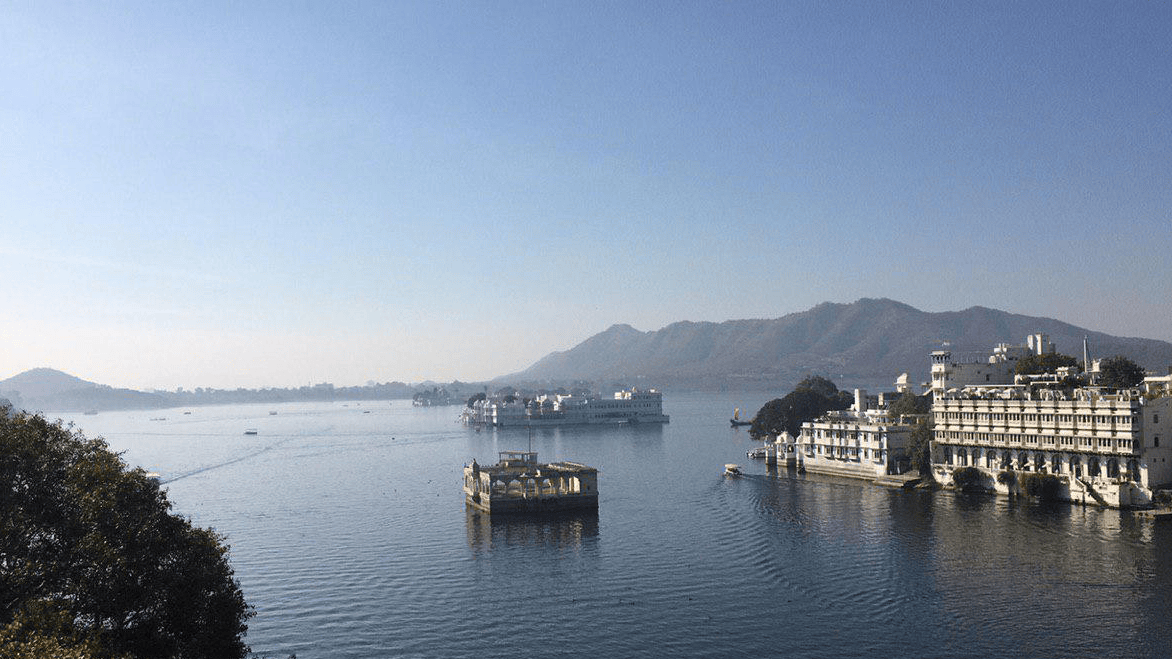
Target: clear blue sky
[{"x": 274, "y": 194}]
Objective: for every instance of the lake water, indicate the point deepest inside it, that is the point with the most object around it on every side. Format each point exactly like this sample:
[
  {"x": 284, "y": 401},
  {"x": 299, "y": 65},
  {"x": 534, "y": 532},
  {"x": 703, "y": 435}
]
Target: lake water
[{"x": 350, "y": 537}]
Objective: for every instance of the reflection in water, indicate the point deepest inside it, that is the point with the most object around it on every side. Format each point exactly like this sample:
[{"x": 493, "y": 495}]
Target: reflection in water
[{"x": 564, "y": 530}]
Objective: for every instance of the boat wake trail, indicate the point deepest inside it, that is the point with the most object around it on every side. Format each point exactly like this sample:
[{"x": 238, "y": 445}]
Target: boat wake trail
[{"x": 218, "y": 465}]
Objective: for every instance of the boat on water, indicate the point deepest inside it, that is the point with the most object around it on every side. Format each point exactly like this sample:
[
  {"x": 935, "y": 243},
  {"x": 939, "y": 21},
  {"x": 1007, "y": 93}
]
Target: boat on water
[
  {"x": 518, "y": 483},
  {"x": 736, "y": 419},
  {"x": 731, "y": 469},
  {"x": 250, "y": 431},
  {"x": 758, "y": 453}
]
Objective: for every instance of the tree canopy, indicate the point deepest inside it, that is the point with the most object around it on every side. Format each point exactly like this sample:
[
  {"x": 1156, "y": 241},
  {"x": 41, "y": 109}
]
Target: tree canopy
[
  {"x": 812, "y": 398},
  {"x": 909, "y": 404},
  {"x": 1119, "y": 372},
  {"x": 817, "y": 383},
  {"x": 1047, "y": 363},
  {"x": 93, "y": 563}
]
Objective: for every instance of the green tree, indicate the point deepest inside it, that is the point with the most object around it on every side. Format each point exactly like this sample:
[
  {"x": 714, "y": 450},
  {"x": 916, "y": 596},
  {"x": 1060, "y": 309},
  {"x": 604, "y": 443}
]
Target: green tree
[
  {"x": 1047, "y": 363},
  {"x": 84, "y": 539},
  {"x": 474, "y": 398},
  {"x": 789, "y": 413},
  {"x": 817, "y": 383},
  {"x": 919, "y": 448},
  {"x": 1119, "y": 372},
  {"x": 909, "y": 404}
]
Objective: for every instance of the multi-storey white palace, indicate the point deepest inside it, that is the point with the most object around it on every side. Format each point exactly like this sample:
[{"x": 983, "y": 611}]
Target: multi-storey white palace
[
  {"x": 860, "y": 442},
  {"x": 1105, "y": 446}
]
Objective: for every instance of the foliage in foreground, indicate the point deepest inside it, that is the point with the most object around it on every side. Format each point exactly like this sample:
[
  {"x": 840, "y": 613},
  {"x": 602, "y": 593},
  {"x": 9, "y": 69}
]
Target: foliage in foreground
[{"x": 92, "y": 562}]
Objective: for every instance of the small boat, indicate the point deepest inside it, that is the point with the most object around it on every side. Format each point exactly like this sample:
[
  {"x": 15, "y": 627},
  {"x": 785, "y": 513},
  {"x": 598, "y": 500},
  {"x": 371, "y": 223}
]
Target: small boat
[
  {"x": 272, "y": 413},
  {"x": 250, "y": 431},
  {"x": 731, "y": 469},
  {"x": 736, "y": 419},
  {"x": 757, "y": 453}
]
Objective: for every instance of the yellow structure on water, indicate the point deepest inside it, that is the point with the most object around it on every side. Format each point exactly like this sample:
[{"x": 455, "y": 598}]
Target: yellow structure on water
[{"x": 517, "y": 483}]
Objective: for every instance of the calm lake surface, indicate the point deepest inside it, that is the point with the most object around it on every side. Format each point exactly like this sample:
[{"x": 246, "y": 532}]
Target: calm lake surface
[{"x": 350, "y": 537}]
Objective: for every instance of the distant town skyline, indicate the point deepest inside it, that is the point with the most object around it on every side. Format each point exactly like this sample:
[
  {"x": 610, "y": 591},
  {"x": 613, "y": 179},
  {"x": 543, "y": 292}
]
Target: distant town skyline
[{"x": 266, "y": 195}]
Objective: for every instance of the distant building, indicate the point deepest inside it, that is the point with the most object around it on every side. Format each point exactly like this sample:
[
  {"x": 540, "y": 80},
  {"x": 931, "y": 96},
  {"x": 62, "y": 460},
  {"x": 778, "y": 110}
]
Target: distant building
[{"x": 627, "y": 406}]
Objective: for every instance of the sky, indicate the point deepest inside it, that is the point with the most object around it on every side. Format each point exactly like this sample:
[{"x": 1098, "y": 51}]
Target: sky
[{"x": 277, "y": 194}]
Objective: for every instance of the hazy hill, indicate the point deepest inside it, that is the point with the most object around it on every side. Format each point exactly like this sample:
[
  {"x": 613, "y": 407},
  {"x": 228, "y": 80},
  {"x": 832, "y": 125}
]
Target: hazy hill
[
  {"x": 49, "y": 389},
  {"x": 46, "y": 389},
  {"x": 868, "y": 342},
  {"x": 41, "y": 382}
]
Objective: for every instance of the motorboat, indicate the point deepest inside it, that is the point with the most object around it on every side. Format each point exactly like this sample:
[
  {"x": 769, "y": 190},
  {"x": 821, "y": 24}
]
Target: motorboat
[{"x": 731, "y": 469}]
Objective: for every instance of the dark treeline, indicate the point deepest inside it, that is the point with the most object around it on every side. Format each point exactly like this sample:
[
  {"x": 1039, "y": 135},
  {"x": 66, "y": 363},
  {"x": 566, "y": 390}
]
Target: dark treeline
[{"x": 318, "y": 392}]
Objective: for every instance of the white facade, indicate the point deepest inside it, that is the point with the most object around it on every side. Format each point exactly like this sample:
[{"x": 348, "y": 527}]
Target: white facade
[
  {"x": 1110, "y": 448},
  {"x": 628, "y": 406},
  {"x": 858, "y": 442}
]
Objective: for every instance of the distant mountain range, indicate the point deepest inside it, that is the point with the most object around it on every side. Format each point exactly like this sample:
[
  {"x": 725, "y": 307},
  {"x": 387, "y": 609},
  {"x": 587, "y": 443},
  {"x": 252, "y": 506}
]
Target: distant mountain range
[
  {"x": 46, "y": 389},
  {"x": 866, "y": 343}
]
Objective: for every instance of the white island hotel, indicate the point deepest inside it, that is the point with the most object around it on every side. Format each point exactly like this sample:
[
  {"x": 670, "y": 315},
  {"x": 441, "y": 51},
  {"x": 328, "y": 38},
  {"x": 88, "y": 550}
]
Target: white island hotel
[{"x": 628, "y": 406}]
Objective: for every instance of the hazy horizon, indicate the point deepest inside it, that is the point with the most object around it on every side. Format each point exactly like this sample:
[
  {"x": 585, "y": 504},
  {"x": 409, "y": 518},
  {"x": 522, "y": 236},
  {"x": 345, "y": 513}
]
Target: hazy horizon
[{"x": 223, "y": 195}]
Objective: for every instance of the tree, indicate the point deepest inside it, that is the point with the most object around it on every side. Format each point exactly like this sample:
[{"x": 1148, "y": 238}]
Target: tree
[
  {"x": 909, "y": 404},
  {"x": 1047, "y": 363},
  {"x": 919, "y": 448},
  {"x": 87, "y": 541},
  {"x": 1119, "y": 372},
  {"x": 474, "y": 398},
  {"x": 788, "y": 413},
  {"x": 817, "y": 383}
]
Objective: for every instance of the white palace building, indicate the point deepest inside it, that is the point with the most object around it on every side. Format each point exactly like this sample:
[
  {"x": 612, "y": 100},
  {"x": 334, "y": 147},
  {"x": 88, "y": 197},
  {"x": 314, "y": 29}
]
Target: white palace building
[
  {"x": 1100, "y": 445},
  {"x": 860, "y": 442}
]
